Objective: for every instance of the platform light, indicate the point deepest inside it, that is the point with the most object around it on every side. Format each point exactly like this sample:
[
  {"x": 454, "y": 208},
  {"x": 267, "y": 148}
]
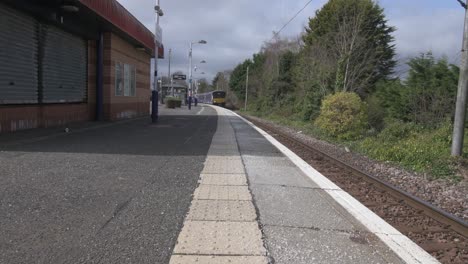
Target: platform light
[
  {"x": 70, "y": 6},
  {"x": 159, "y": 10}
]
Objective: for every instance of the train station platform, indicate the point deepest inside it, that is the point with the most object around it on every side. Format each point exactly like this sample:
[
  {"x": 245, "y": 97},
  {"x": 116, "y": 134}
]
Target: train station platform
[
  {"x": 200, "y": 186},
  {"x": 257, "y": 202}
]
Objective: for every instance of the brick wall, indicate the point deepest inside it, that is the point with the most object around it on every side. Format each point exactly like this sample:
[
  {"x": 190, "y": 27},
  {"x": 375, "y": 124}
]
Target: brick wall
[
  {"x": 116, "y": 50},
  {"x": 14, "y": 118}
]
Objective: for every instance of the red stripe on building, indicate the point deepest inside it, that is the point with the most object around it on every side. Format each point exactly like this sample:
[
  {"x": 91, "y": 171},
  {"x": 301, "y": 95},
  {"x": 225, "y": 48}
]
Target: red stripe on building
[{"x": 115, "y": 13}]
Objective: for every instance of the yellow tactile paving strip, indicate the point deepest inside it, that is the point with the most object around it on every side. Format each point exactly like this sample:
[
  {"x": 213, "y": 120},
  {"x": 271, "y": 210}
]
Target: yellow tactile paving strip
[
  {"x": 216, "y": 210},
  {"x": 218, "y": 260},
  {"x": 217, "y": 192},
  {"x": 221, "y": 226},
  {"x": 220, "y": 238},
  {"x": 223, "y": 179},
  {"x": 223, "y": 167}
]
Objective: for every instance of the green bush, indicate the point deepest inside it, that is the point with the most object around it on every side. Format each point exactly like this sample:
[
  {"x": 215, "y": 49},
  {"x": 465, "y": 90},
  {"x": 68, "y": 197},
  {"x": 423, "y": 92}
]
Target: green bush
[
  {"x": 396, "y": 130},
  {"x": 173, "y": 102},
  {"x": 343, "y": 115}
]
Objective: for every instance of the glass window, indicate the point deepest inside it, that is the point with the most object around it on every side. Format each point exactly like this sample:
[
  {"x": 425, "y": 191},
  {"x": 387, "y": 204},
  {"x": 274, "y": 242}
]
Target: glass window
[
  {"x": 125, "y": 79},
  {"x": 133, "y": 81},
  {"x": 219, "y": 94},
  {"x": 119, "y": 85}
]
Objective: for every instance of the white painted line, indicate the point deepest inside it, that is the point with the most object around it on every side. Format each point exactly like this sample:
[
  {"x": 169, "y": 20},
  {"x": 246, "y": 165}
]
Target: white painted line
[
  {"x": 406, "y": 249},
  {"x": 201, "y": 111}
]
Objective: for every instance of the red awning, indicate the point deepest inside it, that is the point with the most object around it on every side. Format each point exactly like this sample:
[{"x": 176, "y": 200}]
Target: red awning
[{"x": 117, "y": 15}]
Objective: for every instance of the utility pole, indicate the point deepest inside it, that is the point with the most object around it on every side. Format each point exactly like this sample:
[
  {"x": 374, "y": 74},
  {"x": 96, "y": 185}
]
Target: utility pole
[
  {"x": 154, "y": 93},
  {"x": 460, "y": 111},
  {"x": 222, "y": 83},
  {"x": 190, "y": 78},
  {"x": 246, "y": 88}
]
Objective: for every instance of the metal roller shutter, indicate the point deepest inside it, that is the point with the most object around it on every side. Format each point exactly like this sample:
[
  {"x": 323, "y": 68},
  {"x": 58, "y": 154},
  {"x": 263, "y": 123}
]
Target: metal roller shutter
[
  {"x": 18, "y": 57},
  {"x": 64, "y": 71}
]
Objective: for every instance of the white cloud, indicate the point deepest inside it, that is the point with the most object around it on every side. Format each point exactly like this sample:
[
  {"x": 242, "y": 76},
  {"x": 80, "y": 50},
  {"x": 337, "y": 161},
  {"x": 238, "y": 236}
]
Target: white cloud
[
  {"x": 235, "y": 29},
  {"x": 440, "y": 32}
]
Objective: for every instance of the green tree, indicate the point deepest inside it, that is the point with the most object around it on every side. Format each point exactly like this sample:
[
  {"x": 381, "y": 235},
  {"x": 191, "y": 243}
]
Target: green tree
[
  {"x": 356, "y": 34},
  {"x": 431, "y": 89},
  {"x": 220, "y": 81},
  {"x": 237, "y": 81},
  {"x": 282, "y": 85},
  {"x": 203, "y": 86},
  {"x": 238, "y": 76},
  {"x": 428, "y": 94},
  {"x": 390, "y": 96}
]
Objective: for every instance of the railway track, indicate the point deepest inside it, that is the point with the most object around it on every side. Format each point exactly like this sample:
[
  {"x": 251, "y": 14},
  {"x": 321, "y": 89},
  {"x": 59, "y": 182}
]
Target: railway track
[{"x": 442, "y": 235}]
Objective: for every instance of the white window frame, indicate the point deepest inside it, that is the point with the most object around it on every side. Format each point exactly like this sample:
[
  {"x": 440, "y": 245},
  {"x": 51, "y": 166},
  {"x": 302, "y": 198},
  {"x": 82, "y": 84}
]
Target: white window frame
[{"x": 128, "y": 80}]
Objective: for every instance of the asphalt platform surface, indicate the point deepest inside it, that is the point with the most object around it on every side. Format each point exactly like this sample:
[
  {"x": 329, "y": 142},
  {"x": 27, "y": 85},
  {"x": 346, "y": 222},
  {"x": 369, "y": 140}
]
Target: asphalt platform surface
[{"x": 111, "y": 193}]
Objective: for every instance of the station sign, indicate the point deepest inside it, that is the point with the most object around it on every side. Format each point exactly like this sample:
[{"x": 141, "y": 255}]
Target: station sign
[
  {"x": 158, "y": 35},
  {"x": 179, "y": 77}
]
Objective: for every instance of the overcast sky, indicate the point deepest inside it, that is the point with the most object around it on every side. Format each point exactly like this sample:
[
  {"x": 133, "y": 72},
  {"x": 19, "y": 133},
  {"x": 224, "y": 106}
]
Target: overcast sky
[{"x": 236, "y": 29}]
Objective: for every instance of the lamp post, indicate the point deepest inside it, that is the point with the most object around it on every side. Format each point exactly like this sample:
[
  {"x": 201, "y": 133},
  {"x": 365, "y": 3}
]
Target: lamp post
[
  {"x": 197, "y": 86},
  {"x": 154, "y": 93},
  {"x": 190, "y": 71},
  {"x": 197, "y": 82},
  {"x": 169, "y": 77}
]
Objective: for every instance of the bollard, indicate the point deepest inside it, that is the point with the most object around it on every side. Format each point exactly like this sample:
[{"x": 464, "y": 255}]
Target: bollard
[{"x": 154, "y": 106}]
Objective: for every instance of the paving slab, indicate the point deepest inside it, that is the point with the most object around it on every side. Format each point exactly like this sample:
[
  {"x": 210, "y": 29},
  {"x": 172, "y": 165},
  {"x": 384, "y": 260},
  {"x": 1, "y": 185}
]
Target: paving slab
[
  {"x": 221, "y": 210},
  {"x": 220, "y": 238},
  {"x": 215, "y": 192},
  {"x": 298, "y": 207},
  {"x": 275, "y": 171},
  {"x": 303, "y": 246},
  {"x": 223, "y": 179},
  {"x": 228, "y": 140},
  {"x": 251, "y": 142},
  {"x": 223, "y": 158},
  {"x": 178, "y": 259},
  {"x": 221, "y": 150},
  {"x": 223, "y": 164}
]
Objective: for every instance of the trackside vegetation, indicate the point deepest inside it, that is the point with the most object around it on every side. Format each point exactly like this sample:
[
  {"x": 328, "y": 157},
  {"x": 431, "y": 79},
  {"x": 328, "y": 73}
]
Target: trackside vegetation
[{"x": 337, "y": 82}]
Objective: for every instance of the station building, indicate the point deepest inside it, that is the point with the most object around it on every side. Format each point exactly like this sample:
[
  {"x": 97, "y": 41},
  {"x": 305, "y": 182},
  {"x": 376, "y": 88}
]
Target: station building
[
  {"x": 177, "y": 89},
  {"x": 64, "y": 61}
]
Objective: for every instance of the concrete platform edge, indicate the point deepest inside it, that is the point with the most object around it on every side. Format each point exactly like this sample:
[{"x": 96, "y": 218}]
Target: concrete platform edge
[{"x": 405, "y": 248}]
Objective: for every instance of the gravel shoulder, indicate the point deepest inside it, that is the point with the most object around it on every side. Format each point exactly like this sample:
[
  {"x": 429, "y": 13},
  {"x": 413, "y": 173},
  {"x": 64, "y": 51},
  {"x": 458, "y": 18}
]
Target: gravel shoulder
[{"x": 447, "y": 195}]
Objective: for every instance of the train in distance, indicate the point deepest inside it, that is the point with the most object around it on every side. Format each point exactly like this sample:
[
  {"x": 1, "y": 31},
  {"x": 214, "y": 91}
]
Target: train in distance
[{"x": 214, "y": 98}]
